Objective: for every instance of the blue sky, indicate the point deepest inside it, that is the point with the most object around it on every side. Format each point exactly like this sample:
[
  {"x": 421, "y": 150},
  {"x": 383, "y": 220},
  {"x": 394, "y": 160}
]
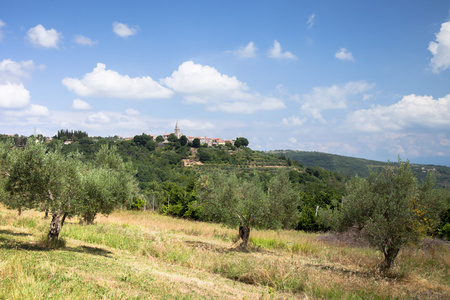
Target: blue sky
[{"x": 368, "y": 79}]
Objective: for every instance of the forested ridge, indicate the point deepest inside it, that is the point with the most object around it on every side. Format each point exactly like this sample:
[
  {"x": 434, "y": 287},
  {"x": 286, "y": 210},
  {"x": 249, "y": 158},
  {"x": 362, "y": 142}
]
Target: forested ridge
[{"x": 352, "y": 166}]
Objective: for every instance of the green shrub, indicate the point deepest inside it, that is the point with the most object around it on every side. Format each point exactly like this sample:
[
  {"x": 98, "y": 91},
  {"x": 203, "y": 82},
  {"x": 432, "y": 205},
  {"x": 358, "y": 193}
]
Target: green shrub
[
  {"x": 444, "y": 232},
  {"x": 137, "y": 204}
]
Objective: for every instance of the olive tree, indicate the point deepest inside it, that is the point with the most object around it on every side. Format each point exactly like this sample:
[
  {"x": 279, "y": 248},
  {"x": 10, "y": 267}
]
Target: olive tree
[
  {"x": 105, "y": 184},
  {"x": 35, "y": 177},
  {"x": 243, "y": 202},
  {"x": 283, "y": 201},
  {"x": 235, "y": 202},
  {"x": 389, "y": 208}
]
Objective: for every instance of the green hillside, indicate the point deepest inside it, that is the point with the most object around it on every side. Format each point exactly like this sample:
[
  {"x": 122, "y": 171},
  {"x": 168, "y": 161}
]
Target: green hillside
[{"x": 357, "y": 166}]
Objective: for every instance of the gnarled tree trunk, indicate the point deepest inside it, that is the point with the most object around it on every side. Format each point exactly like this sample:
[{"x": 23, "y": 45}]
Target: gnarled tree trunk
[
  {"x": 55, "y": 226},
  {"x": 389, "y": 256},
  {"x": 244, "y": 234}
]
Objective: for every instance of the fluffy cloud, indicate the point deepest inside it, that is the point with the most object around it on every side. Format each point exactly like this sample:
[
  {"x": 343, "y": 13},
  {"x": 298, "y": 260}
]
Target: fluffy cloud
[
  {"x": 32, "y": 110},
  {"x": 79, "y": 104},
  {"x": 196, "y": 125},
  {"x": 41, "y": 37},
  {"x": 12, "y": 71},
  {"x": 219, "y": 92},
  {"x": 247, "y": 51},
  {"x": 2, "y": 24},
  {"x": 99, "y": 117},
  {"x": 411, "y": 111},
  {"x": 191, "y": 78},
  {"x": 293, "y": 121},
  {"x": 123, "y": 30},
  {"x": 108, "y": 83},
  {"x": 311, "y": 20},
  {"x": 84, "y": 41},
  {"x": 441, "y": 49},
  {"x": 331, "y": 97},
  {"x": 344, "y": 54},
  {"x": 276, "y": 52},
  {"x": 13, "y": 95}
]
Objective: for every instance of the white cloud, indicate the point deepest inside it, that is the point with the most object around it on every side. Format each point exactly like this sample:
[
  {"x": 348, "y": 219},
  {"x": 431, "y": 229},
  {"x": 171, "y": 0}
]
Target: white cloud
[
  {"x": 196, "y": 125},
  {"x": 36, "y": 110},
  {"x": 368, "y": 97},
  {"x": 314, "y": 112},
  {"x": 123, "y": 30},
  {"x": 293, "y": 121},
  {"x": 2, "y": 24},
  {"x": 276, "y": 52},
  {"x": 12, "y": 71},
  {"x": 219, "y": 92},
  {"x": 132, "y": 112},
  {"x": 247, "y": 51},
  {"x": 108, "y": 83},
  {"x": 40, "y": 37},
  {"x": 32, "y": 110},
  {"x": 441, "y": 49},
  {"x": 191, "y": 78},
  {"x": 99, "y": 117},
  {"x": 249, "y": 106},
  {"x": 79, "y": 104},
  {"x": 311, "y": 20},
  {"x": 103, "y": 123},
  {"x": 344, "y": 54},
  {"x": 13, "y": 95},
  {"x": 85, "y": 41},
  {"x": 411, "y": 111},
  {"x": 331, "y": 97}
]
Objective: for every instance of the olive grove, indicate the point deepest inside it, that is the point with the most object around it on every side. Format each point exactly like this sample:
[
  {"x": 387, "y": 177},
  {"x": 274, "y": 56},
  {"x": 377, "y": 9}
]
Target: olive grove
[{"x": 34, "y": 177}]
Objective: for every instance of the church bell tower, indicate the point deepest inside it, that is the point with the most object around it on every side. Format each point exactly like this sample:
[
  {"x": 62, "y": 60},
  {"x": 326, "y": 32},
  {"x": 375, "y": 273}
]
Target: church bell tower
[{"x": 177, "y": 131}]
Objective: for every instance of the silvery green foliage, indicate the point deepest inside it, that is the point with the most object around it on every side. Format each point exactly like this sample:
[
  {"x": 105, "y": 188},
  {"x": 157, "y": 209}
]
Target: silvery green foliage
[
  {"x": 389, "y": 208},
  {"x": 35, "y": 177},
  {"x": 234, "y": 201}
]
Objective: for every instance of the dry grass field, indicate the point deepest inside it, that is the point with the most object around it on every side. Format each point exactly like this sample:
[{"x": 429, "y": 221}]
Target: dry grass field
[{"x": 141, "y": 255}]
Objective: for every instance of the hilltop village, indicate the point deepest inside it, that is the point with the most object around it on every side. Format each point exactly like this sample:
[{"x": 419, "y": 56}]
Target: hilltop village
[{"x": 177, "y": 132}]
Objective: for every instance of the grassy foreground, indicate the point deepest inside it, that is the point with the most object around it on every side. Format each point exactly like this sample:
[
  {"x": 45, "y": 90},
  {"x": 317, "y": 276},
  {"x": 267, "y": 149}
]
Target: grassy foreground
[{"x": 140, "y": 255}]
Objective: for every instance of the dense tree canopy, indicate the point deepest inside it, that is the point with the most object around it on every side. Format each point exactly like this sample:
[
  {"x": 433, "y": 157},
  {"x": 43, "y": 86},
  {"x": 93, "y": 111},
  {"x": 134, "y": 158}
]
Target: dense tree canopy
[
  {"x": 241, "y": 142},
  {"x": 244, "y": 202},
  {"x": 390, "y": 209},
  {"x": 36, "y": 177}
]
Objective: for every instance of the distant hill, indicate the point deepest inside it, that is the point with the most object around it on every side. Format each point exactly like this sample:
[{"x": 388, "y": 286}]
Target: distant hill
[{"x": 357, "y": 166}]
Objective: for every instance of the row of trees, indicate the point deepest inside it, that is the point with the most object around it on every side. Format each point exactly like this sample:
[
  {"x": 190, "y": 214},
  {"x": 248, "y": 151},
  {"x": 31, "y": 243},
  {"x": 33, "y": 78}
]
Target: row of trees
[
  {"x": 35, "y": 177},
  {"x": 65, "y": 134}
]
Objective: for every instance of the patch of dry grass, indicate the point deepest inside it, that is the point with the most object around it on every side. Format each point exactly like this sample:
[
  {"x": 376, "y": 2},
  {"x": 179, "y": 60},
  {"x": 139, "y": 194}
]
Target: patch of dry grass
[{"x": 141, "y": 254}]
